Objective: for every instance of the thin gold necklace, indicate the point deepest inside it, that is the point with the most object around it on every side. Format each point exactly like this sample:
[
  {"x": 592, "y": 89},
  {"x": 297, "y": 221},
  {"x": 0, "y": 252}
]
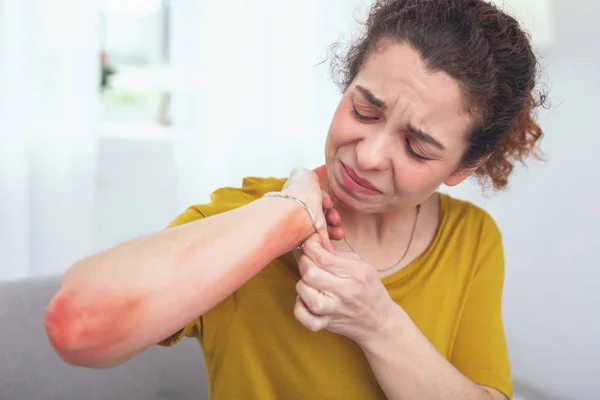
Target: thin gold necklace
[{"x": 394, "y": 265}]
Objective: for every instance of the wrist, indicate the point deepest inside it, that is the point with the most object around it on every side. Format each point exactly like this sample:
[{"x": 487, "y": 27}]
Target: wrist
[
  {"x": 290, "y": 222},
  {"x": 394, "y": 326},
  {"x": 300, "y": 202}
]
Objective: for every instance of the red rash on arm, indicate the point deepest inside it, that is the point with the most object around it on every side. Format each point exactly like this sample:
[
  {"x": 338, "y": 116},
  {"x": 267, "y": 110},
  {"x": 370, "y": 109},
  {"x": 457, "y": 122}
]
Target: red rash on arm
[
  {"x": 117, "y": 303},
  {"x": 72, "y": 324},
  {"x": 245, "y": 261}
]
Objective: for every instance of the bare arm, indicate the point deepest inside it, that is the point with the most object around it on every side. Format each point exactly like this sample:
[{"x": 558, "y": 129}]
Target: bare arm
[
  {"x": 115, "y": 304},
  {"x": 342, "y": 293},
  {"x": 408, "y": 366}
]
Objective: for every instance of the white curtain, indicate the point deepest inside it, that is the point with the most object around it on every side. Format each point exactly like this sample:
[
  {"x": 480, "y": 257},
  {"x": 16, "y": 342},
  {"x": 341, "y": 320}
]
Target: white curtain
[
  {"x": 251, "y": 94},
  {"x": 49, "y": 78}
]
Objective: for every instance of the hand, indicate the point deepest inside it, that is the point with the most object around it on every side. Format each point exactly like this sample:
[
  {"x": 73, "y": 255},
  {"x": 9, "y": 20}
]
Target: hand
[
  {"x": 304, "y": 185},
  {"x": 342, "y": 293}
]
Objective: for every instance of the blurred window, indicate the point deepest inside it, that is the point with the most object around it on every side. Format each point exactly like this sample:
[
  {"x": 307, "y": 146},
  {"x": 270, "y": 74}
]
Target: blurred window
[{"x": 134, "y": 55}]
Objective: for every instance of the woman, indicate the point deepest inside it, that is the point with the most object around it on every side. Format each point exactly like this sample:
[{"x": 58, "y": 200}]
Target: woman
[{"x": 396, "y": 291}]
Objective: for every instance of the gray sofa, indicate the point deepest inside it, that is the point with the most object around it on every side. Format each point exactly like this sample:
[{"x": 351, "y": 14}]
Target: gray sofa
[{"x": 30, "y": 370}]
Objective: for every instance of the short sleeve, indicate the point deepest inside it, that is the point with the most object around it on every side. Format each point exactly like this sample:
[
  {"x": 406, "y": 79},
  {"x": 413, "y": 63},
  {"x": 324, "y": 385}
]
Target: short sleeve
[
  {"x": 480, "y": 351},
  {"x": 194, "y": 328},
  {"x": 210, "y": 327}
]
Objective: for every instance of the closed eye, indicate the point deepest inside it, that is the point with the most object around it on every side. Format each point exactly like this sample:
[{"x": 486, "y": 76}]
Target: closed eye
[
  {"x": 407, "y": 142},
  {"x": 413, "y": 153},
  {"x": 360, "y": 117}
]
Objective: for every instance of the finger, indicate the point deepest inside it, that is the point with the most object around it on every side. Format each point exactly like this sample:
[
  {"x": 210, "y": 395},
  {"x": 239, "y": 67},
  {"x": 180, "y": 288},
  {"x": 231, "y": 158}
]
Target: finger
[
  {"x": 295, "y": 171},
  {"x": 312, "y": 322},
  {"x": 327, "y": 201},
  {"x": 317, "y": 302},
  {"x": 318, "y": 278},
  {"x": 325, "y": 240},
  {"x": 333, "y": 217},
  {"x": 301, "y": 170},
  {"x": 321, "y": 237},
  {"x": 336, "y": 232},
  {"x": 326, "y": 259}
]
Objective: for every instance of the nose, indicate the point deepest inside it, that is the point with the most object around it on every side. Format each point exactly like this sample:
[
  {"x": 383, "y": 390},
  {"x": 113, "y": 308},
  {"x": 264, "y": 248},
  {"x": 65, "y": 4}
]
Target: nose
[{"x": 372, "y": 152}]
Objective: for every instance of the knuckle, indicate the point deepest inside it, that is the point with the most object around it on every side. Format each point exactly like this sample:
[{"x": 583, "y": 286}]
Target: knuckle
[
  {"x": 311, "y": 241},
  {"x": 362, "y": 276},
  {"x": 299, "y": 287},
  {"x": 310, "y": 274},
  {"x": 302, "y": 265},
  {"x": 298, "y": 312},
  {"x": 314, "y": 326},
  {"x": 322, "y": 261},
  {"x": 318, "y": 306}
]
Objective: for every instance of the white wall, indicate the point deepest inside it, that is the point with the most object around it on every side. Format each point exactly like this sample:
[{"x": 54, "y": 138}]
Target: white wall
[
  {"x": 549, "y": 218},
  {"x": 48, "y": 107},
  {"x": 551, "y": 224},
  {"x": 136, "y": 188}
]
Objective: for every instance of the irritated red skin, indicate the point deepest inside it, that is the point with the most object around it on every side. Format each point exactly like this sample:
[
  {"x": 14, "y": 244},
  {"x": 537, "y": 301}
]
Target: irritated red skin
[
  {"x": 79, "y": 328},
  {"x": 89, "y": 323}
]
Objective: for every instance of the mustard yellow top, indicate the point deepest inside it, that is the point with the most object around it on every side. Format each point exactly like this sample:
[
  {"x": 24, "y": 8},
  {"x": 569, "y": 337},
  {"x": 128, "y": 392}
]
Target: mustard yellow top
[{"x": 255, "y": 349}]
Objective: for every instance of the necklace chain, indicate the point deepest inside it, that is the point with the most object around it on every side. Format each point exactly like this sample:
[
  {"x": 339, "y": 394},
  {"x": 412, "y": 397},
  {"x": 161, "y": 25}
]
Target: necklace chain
[{"x": 394, "y": 265}]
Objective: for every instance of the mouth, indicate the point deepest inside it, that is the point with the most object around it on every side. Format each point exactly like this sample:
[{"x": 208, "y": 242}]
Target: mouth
[{"x": 356, "y": 183}]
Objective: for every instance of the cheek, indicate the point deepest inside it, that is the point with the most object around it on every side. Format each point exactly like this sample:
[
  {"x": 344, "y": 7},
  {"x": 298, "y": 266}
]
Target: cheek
[
  {"x": 412, "y": 176},
  {"x": 344, "y": 128}
]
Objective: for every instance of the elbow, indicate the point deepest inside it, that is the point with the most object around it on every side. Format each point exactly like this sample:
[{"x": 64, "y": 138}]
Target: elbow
[
  {"x": 78, "y": 333},
  {"x": 64, "y": 328},
  {"x": 60, "y": 325}
]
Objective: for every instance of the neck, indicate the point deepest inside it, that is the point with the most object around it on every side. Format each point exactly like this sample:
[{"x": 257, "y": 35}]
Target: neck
[
  {"x": 376, "y": 229},
  {"x": 387, "y": 240},
  {"x": 372, "y": 230}
]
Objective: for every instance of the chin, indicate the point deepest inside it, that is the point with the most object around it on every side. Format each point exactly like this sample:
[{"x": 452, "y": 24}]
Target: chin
[{"x": 344, "y": 198}]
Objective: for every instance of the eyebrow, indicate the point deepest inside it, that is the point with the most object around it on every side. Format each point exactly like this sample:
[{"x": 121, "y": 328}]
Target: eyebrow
[
  {"x": 370, "y": 97},
  {"x": 425, "y": 137}
]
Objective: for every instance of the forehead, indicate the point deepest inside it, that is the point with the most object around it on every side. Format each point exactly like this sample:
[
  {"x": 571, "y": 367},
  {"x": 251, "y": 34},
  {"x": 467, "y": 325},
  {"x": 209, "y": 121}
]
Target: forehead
[{"x": 396, "y": 74}]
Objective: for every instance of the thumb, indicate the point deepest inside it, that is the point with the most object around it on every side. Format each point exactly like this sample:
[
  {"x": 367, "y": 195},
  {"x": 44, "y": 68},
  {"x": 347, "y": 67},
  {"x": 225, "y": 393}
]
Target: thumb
[
  {"x": 296, "y": 171},
  {"x": 325, "y": 241}
]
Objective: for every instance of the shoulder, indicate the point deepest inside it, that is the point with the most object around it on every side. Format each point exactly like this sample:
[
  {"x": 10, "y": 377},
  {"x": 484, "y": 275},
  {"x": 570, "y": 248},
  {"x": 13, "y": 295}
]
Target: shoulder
[
  {"x": 230, "y": 197},
  {"x": 464, "y": 215},
  {"x": 252, "y": 188},
  {"x": 472, "y": 232}
]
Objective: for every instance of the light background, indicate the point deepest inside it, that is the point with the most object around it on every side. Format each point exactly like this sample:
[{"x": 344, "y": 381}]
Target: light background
[{"x": 81, "y": 171}]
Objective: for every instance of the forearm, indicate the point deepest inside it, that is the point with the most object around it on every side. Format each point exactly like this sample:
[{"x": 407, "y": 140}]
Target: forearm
[
  {"x": 408, "y": 366},
  {"x": 117, "y": 303}
]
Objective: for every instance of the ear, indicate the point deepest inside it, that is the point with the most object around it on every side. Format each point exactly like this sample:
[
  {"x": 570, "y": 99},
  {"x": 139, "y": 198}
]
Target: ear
[
  {"x": 463, "y": 173},
  {"x": 458, "y": 177}
]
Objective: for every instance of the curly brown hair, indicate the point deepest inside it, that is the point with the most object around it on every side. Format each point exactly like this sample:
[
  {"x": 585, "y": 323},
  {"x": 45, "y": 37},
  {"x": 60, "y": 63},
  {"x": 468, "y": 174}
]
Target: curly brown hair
[{"x": 487, "y": 52}]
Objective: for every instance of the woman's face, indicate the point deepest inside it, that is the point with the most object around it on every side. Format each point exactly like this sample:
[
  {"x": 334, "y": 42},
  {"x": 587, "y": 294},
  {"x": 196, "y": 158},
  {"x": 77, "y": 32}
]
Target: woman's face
[{"x": 398, "y": 133}]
